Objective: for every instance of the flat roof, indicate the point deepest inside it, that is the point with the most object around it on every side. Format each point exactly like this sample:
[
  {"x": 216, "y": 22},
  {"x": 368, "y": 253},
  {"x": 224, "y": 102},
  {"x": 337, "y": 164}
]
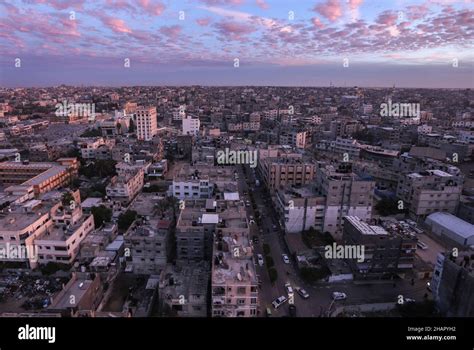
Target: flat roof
[
  {"x": 210, "y": 218},
  {"x": 453, "y": 223}
]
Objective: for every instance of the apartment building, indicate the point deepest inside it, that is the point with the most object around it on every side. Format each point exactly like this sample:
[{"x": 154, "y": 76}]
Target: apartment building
[
  {"x": 29, "y": 219},
  {"x": 125, "y": 187},
  {"x": 300, "y": 208},
  {"x": 278, "y": 172},
  {"x": 191, "y": 125},
  {"x": 452, "y": 284},
  {"x": 429, "y": 191},
  {"x": 147, "y": 245},
  {"x": 295, "y": 139},
  {"x": 147, "y": 124},
  {"x": 234, "y": 280},
  {"x": 346, "y": 194},
  {"x": 386, "y": 254},
  {"x": 60, "y": 242},
  {"x": 182, "y": 290}
]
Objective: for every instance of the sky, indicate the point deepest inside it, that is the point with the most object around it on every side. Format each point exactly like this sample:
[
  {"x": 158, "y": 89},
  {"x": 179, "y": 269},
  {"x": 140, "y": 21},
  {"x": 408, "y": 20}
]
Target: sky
[{"x": 416, "y": 43}]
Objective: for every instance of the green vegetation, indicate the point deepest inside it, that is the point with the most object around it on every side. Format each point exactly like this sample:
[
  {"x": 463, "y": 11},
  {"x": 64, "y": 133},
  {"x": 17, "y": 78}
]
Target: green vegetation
[
  {"x": 313, "y": 238},
  {"x": 266, "y": 249},
  {"x": 126, "y": 219},
  {"x": 92, "y": 133},
  {"x": 269, "y": 261},
  {"x": 101, "y": 214},
  {"x": 99, "y": 168},
  {"x": 52, "y": 267},
  {"x": 155, "y": 188},
  {"x": 426, "y": 308},
  {"x": 313, "y": 274},
  {"x": 388, "y": 206},
  {"x": 273, "y": 274},
  {"x": 66, "y": 199}
]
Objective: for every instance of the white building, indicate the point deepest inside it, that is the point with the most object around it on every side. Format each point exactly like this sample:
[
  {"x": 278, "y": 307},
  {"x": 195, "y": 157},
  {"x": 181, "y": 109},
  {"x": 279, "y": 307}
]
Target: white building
[
  {"x": 191, "y": 126},
  {"x": 146, "y": 123}
]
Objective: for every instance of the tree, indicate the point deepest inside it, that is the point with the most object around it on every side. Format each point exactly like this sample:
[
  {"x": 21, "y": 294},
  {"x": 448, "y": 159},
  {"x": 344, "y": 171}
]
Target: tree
[
  {"x": 101, "y": 214},
  {"x": 388, "y": 206},
  {"x": 269, "y": 261},
  {"x": 91, "y": 133},
  {"x": 266, "y": 249},
  {"x": 131, "y": 127},
  {"x": 273, "y": 274},
  {"x": 126, "y": 219},
  {"x": 66, "y": 199}
]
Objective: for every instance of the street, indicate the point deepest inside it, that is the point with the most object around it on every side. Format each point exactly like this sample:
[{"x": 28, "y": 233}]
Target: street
[{"x": 320, "y": 299}]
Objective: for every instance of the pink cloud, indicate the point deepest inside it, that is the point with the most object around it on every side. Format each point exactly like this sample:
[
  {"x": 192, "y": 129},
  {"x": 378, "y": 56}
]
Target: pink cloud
[
  {"x": 234, "y": 30},
  {"x": 203, "y": 21},
  {"x": 223, "y": 2},
  {"x": 262, "y": 4},
  {"x": 154, "y": 8},
  {"x": 115, "y": 24},
  {"x": 171, "y": 31},
  {"x": 317, "y": 22},
  {"x": 354, "y": 4},
  {"x": 59, "y": 4},
  {"x": 388, "y": 18},
  {"x": 331, "y": 9}
]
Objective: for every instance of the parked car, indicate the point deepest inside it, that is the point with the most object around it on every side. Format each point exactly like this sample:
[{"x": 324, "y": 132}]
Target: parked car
[
  {"x": 422, "y": 245},
  {"x": 289, "y": 288},
  {"x": 268, "y": 312},
  {"x": 303, "y": 293},
  {"x": 260, "y": 259},
  {"x": 286, "y": 260},
  {"x": 279, "y": 301},
  {"x": 339, "y": 296}
]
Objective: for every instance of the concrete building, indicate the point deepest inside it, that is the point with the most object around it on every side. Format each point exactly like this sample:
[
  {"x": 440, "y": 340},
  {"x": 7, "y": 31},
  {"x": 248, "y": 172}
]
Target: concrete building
[
  {"x": 277, "y": 172},
  {"x": 346, "y": 194},
  {"x": 126, "y": 186},
  {"x": 300, "y": 208},
  {"x": 147, "y": 124},
  {"x": 147, "y": 246},
  {"x": 385, "y": 253},
  {"x": 453, "y": 284},
  {"x": 183, "y": 290},
  {"x": 295, "y": 139},
  {"x": 429, "y": 191},
  {"x": 191, "y": 125},
  {"x": 450, "y": 226}
]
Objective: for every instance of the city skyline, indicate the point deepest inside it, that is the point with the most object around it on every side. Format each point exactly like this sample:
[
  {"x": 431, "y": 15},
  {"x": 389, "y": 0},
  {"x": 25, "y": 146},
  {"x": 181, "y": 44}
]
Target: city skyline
[{"x": 419, "y": 44}]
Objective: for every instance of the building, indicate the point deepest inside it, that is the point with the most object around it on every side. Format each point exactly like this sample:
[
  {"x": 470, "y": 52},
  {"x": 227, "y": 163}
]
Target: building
[
  {"x": 300, "y": 208},
  {"x": 147, "y": 124},
  {"x": 451, "y": 227},
  {"x": 183, "y": 290},
  {"x": 277, "y": 172},
  {"x": 453, "y": 284},
  {"x": 125, "y": 186},
  {"x": 385, "y": 253},
  {"x": 191, "y": 125},
  {"x": 346, "y": 194},
  {"x": 41, "y": 177},
  {"x": 429, "y": 191},
  {"x": 60, "y": 242},
  {"x": 295, "y": 139},
  {"x": 147, "y": 245}
]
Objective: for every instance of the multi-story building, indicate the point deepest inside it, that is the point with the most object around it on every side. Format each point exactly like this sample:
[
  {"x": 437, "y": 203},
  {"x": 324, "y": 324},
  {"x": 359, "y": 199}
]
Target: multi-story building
[
  {"x": 126, "y": 186},
  {"x": 346, "y": 194},
  {"x": 60, "y": 242},
  {"x": 148, "y": 246},
  {"x": 452, "y": 284},
  {"x": 294, "y": 138},
  {"x": 183, "y": 290},
  {"x": 429, "y": 191},
  {"x": 277, "y": 172},
  {"x": 147, "y": 124},
  {"x": 191, "y": 125},
  {"x": 386, "y": 254},
  {"x": 300, "y": 208}
]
